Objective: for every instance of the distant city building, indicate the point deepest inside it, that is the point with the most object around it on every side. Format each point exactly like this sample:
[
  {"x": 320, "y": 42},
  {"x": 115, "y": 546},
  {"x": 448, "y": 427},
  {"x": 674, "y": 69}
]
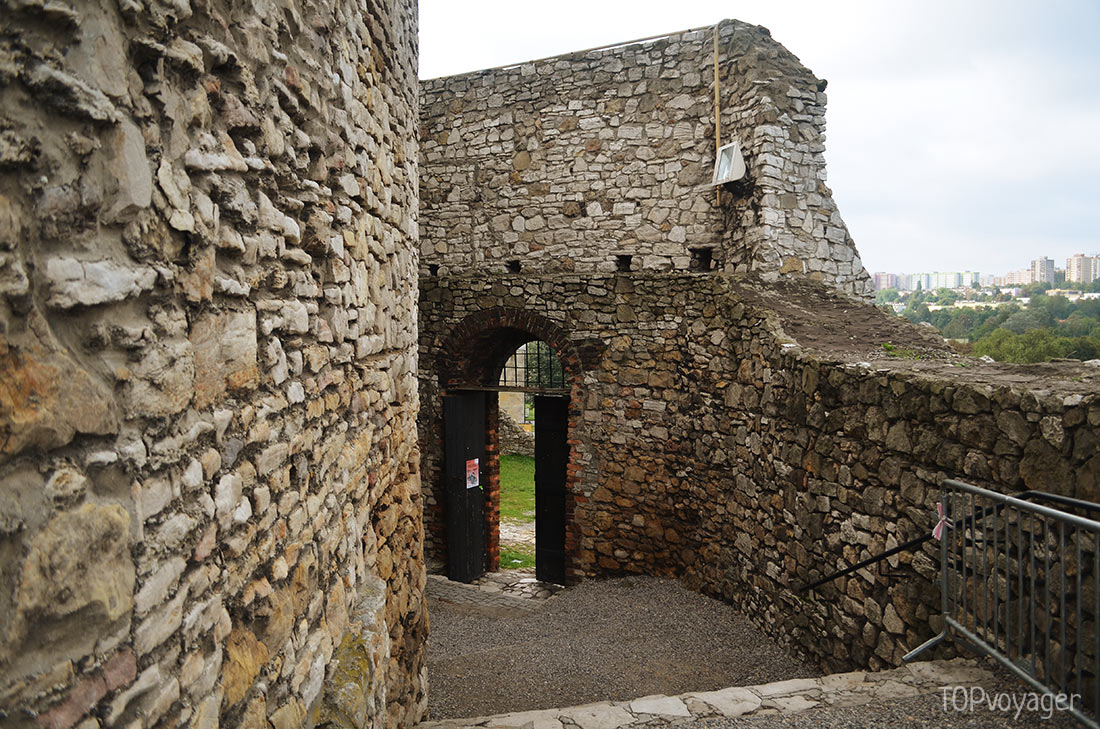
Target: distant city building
[
  {"x": 944, "y": 280},
  {"x": 1082, "y": 269},
  {"x": 1042, "y": 270},
  {"x": 886, "y": 281},
  {"x": 1016, "y": 278}
]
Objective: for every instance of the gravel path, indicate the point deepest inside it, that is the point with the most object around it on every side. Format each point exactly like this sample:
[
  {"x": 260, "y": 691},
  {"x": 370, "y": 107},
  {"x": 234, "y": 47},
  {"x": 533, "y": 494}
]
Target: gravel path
[{"x": 598, "y": 641}]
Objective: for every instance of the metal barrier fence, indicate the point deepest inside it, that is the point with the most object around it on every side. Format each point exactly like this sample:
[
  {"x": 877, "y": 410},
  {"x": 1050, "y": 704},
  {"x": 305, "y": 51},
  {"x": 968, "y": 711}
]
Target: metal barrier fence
[{"x": 1020, "y": 582}]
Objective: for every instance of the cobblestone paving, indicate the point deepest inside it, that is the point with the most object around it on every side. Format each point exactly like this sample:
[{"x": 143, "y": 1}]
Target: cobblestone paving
[
  {"x": 515, "y": 589},
  {"x": 519, "y": 583}
]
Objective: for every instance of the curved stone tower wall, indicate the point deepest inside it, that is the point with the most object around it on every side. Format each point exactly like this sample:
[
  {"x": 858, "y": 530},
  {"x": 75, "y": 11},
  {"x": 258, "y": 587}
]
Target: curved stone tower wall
[{"x": 209, "y": 488}]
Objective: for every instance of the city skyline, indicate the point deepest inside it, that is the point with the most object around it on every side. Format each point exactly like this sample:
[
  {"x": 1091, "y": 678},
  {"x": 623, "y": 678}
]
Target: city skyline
[{"x": 1080, "y": 268}]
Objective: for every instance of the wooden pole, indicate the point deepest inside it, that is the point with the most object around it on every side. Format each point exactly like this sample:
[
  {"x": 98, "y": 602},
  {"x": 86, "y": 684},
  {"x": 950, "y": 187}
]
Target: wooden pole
[{"x": 717, "y": 117}]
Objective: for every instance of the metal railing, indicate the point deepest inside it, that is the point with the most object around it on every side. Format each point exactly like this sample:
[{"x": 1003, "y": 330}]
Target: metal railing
[
  {"x": 876, "y": 559},
  {"x": 1020, "y": 582}
]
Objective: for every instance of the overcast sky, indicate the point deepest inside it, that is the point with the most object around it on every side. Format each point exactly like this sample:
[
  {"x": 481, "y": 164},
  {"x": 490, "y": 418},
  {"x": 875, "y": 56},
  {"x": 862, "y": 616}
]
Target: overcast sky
[{"x": 961, "y": 134}]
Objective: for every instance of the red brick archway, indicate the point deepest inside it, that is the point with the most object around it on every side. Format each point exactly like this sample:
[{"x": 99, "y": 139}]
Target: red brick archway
[{"x": 473, "y": 354}]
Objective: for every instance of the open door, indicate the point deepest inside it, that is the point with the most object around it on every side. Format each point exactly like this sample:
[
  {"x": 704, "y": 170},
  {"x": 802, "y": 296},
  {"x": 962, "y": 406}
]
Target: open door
[
  {"x": 464, "y": 470},
  {"x": 551, "y": 456}
]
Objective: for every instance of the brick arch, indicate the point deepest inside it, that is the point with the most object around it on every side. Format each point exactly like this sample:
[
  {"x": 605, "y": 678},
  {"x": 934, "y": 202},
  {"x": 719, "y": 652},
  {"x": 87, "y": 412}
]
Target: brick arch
[
  {"x": 472, "y": 355},
  {"x": 478, "y": 346}
]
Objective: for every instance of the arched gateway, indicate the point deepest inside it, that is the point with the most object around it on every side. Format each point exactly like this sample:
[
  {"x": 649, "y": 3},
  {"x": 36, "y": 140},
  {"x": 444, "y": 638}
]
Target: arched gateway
[{"x": 494, "y": 351}]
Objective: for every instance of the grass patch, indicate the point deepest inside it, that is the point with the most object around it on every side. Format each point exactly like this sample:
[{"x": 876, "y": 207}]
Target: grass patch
[
  {"x": 900, "y": 351},
  {"x": 517, "y": 557},
  {"x": 517, "y": 490}
]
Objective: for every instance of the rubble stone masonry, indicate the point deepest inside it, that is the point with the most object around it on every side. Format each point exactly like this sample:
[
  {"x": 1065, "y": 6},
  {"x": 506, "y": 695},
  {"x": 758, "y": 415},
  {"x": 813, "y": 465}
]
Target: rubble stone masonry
[
  {"x": 209, "y": 474},
  {"x": 750, "y": 437},
  {"x": 742, "y": 427},
  {"x": 583, "y": 161}
]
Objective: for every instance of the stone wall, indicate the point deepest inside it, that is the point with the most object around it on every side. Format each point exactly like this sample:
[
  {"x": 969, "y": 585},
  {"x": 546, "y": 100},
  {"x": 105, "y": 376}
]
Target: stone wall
[
  {"x": 750, "y": 437},
  {"x": 209, "y": 475},
  {"x": 513, "y": 438},
  {"x": 600, "y": 161}
]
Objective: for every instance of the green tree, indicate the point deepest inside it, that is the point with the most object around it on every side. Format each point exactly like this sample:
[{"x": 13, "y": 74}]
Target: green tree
[
  {"x": 1023, "y": 321},
  {"x": 886, "y": 295}
]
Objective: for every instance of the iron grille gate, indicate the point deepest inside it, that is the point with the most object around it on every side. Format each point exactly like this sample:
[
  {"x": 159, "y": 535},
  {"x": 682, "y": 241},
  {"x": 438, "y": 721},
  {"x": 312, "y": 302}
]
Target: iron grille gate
[{"x": 1020, "y": 582}]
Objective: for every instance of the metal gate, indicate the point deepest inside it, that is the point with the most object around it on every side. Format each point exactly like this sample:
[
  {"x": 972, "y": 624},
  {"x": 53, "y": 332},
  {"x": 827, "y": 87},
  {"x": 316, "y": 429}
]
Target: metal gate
[
  {"x": 1020, "y": 580},
  {"x": 464, "y": 469},
  {"x": 551, "y": 456}
]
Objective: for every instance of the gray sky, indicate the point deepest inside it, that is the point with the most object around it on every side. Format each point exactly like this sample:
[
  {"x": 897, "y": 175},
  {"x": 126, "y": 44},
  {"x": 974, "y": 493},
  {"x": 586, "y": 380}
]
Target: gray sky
[{"x": 961, "y": 135}]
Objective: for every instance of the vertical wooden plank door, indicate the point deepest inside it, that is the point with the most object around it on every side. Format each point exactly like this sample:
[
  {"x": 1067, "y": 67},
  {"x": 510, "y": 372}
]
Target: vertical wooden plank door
[
  {"x": 551, "y": 456},
  {"x": 464, "y": 475}
]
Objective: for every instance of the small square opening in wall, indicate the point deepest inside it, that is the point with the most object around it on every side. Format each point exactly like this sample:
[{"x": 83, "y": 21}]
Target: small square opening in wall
[
  {"x": 623, "y": 262},
  {"x": 433, "y": 269},
  {"x": 729, "y": 165},
  {"x": 702, "y": 259},
  {"x": 513, "y": 266}
]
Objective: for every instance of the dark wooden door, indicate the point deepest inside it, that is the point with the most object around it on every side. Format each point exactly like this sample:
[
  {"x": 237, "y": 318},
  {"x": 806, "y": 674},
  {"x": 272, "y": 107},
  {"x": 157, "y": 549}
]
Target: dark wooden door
[
  {"x": 464, "y": 470},
  {"x": 551, "y": 456}
]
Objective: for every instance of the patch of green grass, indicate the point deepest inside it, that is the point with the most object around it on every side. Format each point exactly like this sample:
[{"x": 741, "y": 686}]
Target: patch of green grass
[
  {"x": 517, "y": 489},
  {"x": 517, "y": 557},
  {"x": 900, "y": 351}
]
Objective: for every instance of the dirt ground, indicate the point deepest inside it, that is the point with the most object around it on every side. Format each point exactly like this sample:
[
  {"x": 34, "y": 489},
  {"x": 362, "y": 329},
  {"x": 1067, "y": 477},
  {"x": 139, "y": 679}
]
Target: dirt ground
[
  {"x": 842, "y": 330},
  {"x": 598, "y": 641}
]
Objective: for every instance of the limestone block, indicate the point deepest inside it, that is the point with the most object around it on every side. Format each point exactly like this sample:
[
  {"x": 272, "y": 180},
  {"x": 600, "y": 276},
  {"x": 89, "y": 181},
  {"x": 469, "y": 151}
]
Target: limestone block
[
  {"x": 70, "y": 95},
  {"x": 225, "y": 348},
  {"x": 160, "y": 624},
  {"x": 13, "y": 276},
  {"x": 66, "y": 483},
  {"x": 87, "y": 283},
  {"x": 162, "y": 382},
  {"x": 245, "y": 656},
  {"x": 129, "y": 183},
  {"x": 77, "y": 580},
  {"x": 227, "y": 495}
]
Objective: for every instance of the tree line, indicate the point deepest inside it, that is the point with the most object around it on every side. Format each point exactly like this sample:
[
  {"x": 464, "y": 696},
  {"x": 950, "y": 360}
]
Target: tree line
[{"x": 1046, "y": 328}]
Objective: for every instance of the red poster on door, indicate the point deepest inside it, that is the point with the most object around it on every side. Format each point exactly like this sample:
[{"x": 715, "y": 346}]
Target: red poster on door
[{"x": 473, "y": 474}]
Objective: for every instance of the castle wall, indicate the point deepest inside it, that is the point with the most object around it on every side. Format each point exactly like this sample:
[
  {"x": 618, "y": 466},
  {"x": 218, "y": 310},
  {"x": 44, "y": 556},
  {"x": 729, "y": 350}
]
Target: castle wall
[
  {"x": 730, "y": 432},
  {"x": 209, "y": 474},
  {"x": 571, "y": 163}
]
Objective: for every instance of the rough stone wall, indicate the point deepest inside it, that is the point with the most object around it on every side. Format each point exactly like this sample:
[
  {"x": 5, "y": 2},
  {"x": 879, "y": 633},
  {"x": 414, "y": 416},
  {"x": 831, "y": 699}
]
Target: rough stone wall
[
  {"x": 570, "y": 163},
  {"x": 731, "y": 432},
  {"x": 513, "y": 438},
  {"x": 208, "y": 460}
]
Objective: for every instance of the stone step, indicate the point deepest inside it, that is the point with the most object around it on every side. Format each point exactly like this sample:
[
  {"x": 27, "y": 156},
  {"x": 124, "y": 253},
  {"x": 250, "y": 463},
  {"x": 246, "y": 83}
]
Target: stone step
[
  {"x": 838, "y": 689},
  {"x": 511, "y": 589}
]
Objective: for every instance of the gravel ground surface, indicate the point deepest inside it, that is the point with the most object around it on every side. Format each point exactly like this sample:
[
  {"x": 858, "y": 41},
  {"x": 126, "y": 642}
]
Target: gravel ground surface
[
  {"x": 919, "y": 712},
  {"x": 599, "y": 641}
]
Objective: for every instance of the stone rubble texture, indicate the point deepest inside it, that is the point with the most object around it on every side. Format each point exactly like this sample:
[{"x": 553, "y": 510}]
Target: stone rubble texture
[
  {"x": 209, "y": 474},
  {"x": 567, "y": 163},
  {"x": 210, "y": 323},
  {"x": 513, "y": 438},
  {"x": 741, "y": 427},
  {"x": 730, "y": 432}
]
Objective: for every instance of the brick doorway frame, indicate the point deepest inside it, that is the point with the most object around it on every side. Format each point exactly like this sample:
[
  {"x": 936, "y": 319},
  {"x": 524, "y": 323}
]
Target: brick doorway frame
[{"x": 477, "y": 348}]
